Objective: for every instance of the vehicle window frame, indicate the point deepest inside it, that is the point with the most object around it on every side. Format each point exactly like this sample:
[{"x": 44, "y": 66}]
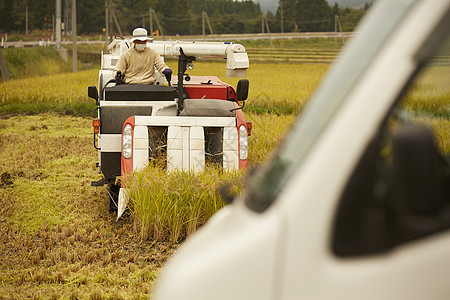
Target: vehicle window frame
[{"x": 355, "y": 61}]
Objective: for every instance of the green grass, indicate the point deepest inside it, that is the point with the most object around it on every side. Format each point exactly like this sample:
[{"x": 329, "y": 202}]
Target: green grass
[
  {"x": 37, "y": 61},
  {"x": 41, "y": 61}
]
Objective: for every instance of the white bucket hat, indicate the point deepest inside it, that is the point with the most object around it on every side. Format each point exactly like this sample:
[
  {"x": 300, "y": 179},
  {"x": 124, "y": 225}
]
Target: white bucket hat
[{"x": 141, "y": 35}]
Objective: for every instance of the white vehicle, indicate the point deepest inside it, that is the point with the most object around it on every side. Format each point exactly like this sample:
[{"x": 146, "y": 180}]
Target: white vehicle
[{"x": 356, "y": 202}]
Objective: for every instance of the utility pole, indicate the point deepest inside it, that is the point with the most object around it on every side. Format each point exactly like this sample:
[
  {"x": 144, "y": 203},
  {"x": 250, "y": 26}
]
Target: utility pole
[
  {"x": 66, "y": 17},
  {"x": 282, "y": 21},
  {"x": 266, "y": 24},
  {"x": 58, "y": 24},
  {"x": 107, "y": 20},
  {"x": 262, "y": 23},
  {"x": 3, "y": 67},
  {"x": 26, "y": 20},
  {"x": 151, "y": 21},
  {"x": 206, "y": 18},
  {"x": 74, "y": 35},
  {"x": 53, "y": 27},
  {"x": 115, "y": 21},
  {"x": 337, "y": 23},
  {"x": 203, "y": 24},
  {"x": 152, "y": 11},
  {"x": 109, "y": 16}
]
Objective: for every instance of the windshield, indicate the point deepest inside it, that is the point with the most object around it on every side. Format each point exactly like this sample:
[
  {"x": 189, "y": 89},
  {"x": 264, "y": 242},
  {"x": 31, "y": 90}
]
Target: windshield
[{"x": 371, "y": 35}]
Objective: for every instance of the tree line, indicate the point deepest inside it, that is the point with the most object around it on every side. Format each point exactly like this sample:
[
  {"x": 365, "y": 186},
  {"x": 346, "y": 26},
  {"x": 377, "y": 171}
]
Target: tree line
[{"x": 181, "y": 17}]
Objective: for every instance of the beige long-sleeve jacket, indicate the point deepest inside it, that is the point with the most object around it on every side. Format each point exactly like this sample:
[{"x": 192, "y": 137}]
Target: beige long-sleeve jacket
[{"x": 139, "y": 66}]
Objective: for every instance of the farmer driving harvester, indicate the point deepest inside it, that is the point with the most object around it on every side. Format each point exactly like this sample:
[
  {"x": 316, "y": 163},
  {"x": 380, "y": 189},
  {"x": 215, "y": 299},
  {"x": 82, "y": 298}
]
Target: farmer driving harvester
[{"x": 137, "y": 64}]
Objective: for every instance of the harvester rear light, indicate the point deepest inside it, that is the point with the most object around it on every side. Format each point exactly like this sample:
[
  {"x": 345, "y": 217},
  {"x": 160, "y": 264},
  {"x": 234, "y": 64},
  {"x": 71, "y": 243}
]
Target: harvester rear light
[
  {"x": 243, "y": 143},
  {"x": 127, "y": 141},
  {"x": 96, "y": 125}
]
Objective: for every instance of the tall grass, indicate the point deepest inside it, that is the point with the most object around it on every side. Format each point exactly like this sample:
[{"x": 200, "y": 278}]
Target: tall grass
[
  {"x": 274, "y": 88},
  {"x": 159, "y": 204},
  {"x": 169, "y": 207},
  {"x": 65, "y": 94},
  {"x": 267, "y": 134},
  {"x": 441, "y": 130},
  {"x": 431, "y": 92},
  {"x": 428, "y": 101}
]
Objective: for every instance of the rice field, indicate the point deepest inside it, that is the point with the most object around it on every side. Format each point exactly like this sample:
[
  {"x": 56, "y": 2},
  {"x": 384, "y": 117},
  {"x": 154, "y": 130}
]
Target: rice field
[
  {"x": 58, "y": 239},
  {"x": 426, "y": 96},
  {"x": 273, "y": 106},
  {"x": 70, "y": 247}
]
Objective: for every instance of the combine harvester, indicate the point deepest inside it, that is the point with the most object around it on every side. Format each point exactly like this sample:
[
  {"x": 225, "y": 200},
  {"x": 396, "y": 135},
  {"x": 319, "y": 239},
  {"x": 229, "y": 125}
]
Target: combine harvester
[{"x": 195, "y": 121}]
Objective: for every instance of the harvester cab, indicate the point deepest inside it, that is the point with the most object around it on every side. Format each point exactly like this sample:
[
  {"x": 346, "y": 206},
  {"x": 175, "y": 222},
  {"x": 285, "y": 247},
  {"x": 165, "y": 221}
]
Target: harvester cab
[{"x": 185, "y": 123}]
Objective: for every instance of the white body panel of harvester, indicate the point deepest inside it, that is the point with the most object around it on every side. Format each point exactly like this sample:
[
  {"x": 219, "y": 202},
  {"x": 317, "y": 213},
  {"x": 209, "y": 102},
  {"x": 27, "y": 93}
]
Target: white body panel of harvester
[
  {"x": 185, "y": 141},
  {"x": 111, "y": 142},
  {"x": 185, "y": 145}
]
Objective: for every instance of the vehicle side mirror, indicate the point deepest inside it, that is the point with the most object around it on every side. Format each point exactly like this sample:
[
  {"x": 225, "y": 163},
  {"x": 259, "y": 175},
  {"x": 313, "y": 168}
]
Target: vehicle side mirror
[
  {"x": 242, "y": 90},
  {"x": 92, "y": 92},
  {"x": 416, "y": 164}
]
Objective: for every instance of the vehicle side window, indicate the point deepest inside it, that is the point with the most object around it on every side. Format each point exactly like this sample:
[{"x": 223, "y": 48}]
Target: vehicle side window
[{"x": 400, "y": 189}]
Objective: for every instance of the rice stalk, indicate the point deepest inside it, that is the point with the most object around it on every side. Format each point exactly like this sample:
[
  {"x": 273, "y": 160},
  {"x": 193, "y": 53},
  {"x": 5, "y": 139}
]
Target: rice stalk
[{"x": 170, "y": 207}]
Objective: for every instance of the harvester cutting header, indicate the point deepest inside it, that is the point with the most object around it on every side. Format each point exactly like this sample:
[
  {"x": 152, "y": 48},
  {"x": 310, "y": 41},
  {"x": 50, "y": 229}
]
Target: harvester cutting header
[{"x": 184, "y": 122}]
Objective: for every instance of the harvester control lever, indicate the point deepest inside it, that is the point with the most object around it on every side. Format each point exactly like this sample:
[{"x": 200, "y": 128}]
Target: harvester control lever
[
  {"x": 120, "y": 78},
  {"x": 168, "y": 73}
]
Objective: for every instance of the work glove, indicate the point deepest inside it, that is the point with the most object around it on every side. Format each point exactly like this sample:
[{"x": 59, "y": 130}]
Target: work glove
[
  {"x": 167, "y": 72},
  {"x": 119, "y": 78}
]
